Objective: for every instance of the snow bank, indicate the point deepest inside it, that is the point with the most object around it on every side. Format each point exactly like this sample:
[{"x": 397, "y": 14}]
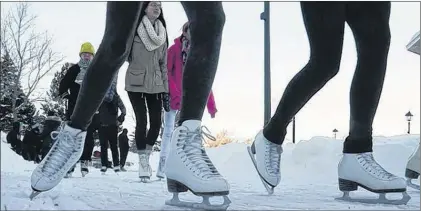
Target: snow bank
[{"x": 309, "y": 180}]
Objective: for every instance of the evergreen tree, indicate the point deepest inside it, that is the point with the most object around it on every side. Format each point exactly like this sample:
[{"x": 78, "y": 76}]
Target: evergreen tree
[
  {"x": 52, "y": 101},
  {"x": 25, "y": 109}
]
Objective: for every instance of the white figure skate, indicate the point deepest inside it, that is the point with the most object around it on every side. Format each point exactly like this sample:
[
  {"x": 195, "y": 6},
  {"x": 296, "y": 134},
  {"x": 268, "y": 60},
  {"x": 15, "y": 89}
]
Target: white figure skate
[
  {"x": 362, "y": 170},
  {"x": 266, "y": 158},
  {"x": 145, "y": 170},
  {"x": 189, "y": 168},
  {"x": 412, "y": 170},
  {"x": 64, "y": 153}
]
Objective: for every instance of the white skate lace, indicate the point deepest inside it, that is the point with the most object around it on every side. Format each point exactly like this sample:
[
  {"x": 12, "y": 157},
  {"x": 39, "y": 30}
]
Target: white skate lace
[
  {"x": 273, "y": 163},
  {"x": 60, "y": 152},
  {"x": 373, "y": 167},
  {"x": 196, "y": 154},
  {"x": 161, "y": 164}
]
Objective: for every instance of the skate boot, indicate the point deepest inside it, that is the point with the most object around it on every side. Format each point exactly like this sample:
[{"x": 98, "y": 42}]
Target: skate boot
[
  {"x": 413, "y": 169},
  {"x": 362, "y": 170},
  {"x": 84, "y": 167},
  {"x": 64, "y": 153},
  {"x": 145, "y": 170},
  {"x": 68, "y": 174},
  {"x": 103, "y": 169},
  {"x": 188, "y": 167},
  {"x": 123, "y": 169},
  {"x": 266, "y": 158},
  {"x": 161, "y": 167},
  {"x": 116, "y": 169}
]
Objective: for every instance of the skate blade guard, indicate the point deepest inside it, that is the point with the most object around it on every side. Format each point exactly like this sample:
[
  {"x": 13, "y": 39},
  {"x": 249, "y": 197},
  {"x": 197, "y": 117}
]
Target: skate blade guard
[
  {"x": 270, "y": 189},
  {"x": 347, "y": 186},
  {"x": 177, "y": 187}
]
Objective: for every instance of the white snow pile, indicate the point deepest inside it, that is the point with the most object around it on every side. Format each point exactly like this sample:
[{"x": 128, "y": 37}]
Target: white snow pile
[{"x": 309, "y": 181}]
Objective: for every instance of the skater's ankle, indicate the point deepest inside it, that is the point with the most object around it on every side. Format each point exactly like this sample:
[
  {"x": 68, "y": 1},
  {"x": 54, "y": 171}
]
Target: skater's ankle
[
  {"x": 273, "y": 137},
  {"x": 75, "y": 126},
  {"x": 357, "y": 146}
]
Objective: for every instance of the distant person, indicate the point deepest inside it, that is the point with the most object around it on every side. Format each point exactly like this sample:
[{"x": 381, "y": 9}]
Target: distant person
[
  {"x": 51, "y": 123},
  {"x": 147, "y": 80},
  {"x": 31, "y": 142},
  {"x": 108, "y": 131},
  {"x": 69, "y": 89},
  {"x": 13, "y": 138},
  {"x": 177, "y": 57},
  {"x": 123, "y": 143}
]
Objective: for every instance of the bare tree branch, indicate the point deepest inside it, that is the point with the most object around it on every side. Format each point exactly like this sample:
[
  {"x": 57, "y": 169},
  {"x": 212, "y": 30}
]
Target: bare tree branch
[{"x": 31, "y": 52}]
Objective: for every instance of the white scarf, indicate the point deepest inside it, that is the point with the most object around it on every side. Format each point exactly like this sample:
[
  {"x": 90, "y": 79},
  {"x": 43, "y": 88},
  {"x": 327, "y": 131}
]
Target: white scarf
[{"x": 152, "y": 37}]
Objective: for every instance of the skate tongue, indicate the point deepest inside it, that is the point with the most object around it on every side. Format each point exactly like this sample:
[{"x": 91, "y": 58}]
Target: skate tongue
[{"x": 192, "y": 125}]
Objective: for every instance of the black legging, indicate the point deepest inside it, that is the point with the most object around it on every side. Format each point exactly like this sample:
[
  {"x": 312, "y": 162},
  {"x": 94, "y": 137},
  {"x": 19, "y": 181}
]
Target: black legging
[
  {"x": 325, "y": 23},
  {"x": 207, "y": 21},
  {"x": 154, "y": 103},
  {"x": 108, "y": 135}
]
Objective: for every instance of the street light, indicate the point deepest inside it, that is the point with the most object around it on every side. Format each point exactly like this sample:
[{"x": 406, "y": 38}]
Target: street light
[
  {"x": 408, "y": 119},
  {"x": 293, "y": 130},
  {"x": 265, "y": 16},
  {"x": 334, "y": 132}
]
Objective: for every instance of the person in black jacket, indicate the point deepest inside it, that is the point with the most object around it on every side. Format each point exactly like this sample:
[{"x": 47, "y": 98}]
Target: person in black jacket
[
  {"x": 71, "y": 82},
  {"x": 13, "y": 138},
  {"x": 52, "y": 123},
  {"x": 31, "y": 143},
  {"x": 108, "y": 131},
  {"x": 123, "y": 143}
]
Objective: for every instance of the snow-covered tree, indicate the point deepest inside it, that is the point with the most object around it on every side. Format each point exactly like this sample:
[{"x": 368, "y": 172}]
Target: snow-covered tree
[{"x": 24, "y": 110}]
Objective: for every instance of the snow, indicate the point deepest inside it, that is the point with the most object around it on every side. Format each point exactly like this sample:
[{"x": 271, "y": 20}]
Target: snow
[{"x": 309, "y": 181}]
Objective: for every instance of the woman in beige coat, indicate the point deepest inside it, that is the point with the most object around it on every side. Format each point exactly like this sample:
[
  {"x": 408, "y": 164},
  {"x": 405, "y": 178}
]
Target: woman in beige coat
[{"x": 147, "y": 80}]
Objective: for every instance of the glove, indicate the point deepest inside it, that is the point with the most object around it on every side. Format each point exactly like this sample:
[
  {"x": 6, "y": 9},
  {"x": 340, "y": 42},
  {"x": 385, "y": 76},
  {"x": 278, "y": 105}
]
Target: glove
[
  {"x": 121, "y": 118},
  {"x": 213, "y": 115},
  {"x": 166, "y": 102}
]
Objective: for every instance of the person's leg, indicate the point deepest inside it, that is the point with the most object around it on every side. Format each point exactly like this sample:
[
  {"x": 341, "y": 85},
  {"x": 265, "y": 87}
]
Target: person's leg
[
  {"x": 139, "y": 107},
  {"x": 154, "y": 102},
  {"x": 207, "y": 21},
  {"x": 169, "y": 122},
  {"x": 112, "y": 137},
  {"x": 103, "y": 140},
  {"x": 369, "y": 22},
  {"x": 89, "y": 144},
  {"x": 325, "y": 25},
  {"x": 121, "y": 23},
  {"x": 123, "y": 156}
]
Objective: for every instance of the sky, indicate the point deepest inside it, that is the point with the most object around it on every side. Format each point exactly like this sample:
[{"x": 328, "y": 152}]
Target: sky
[{"x": 238, "y": 86}]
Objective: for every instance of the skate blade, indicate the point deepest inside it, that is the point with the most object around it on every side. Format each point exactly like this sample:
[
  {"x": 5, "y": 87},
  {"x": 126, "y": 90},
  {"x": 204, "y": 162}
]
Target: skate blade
[
  {"x": 34, "y": 194},
  {"x": 204, "y": 205},
  {"x": 268, "y": 187},
  {"x": 381, "y": 200},
  {"x": 412, "y": 185}
]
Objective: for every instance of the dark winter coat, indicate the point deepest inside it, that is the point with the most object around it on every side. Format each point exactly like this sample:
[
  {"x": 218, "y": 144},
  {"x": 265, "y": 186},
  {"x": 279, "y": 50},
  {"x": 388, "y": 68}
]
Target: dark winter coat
[
  {"x": 52, "y": 123},
  {"x": 13, "y": 138},
  {"x": 123, "y": 142},
  {"x": 31, "y": 144},
  {"x": 108, "y": 111},
  {"x": 68, "y": 84}
]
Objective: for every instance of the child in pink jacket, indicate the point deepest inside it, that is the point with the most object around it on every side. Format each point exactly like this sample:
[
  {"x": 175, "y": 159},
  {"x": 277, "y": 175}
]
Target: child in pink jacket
[{"x": 177, "y": 55}]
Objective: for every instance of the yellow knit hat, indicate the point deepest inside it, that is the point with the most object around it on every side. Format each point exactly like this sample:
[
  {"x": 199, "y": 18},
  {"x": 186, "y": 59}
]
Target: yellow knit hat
[{"x": 87, "y": 47}]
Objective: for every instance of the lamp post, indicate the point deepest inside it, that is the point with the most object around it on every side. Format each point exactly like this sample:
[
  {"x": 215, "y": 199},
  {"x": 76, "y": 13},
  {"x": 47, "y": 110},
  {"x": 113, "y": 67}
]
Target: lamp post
[
  {"x": 334, "y": 132},
  {"x": 408, "y": 119},
  {"x": 265, "y": 16},
  {"x": 293, "y": 130}
]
